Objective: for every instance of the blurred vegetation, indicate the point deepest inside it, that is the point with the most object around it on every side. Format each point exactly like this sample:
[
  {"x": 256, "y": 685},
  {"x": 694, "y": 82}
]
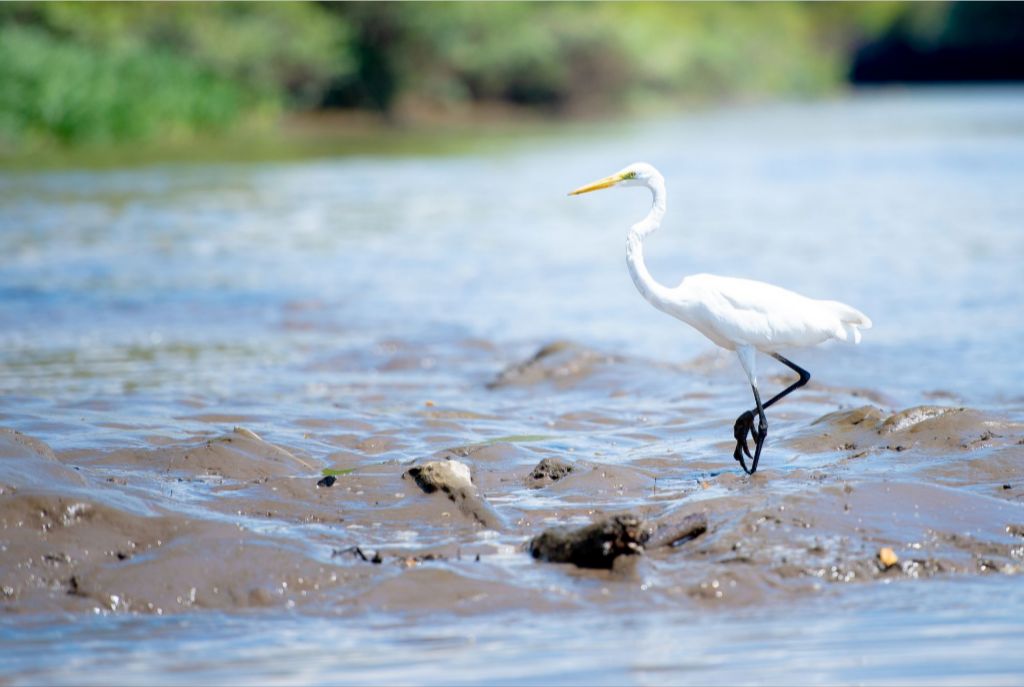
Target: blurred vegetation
[
  {"x": 95, "y": 73},
  {"x": 102, "y": 72},
  {"x": 965, "y": 41}
]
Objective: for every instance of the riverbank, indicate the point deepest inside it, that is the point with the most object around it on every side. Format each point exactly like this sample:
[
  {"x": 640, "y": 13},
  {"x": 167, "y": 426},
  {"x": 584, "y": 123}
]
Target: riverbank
[{"x": 416, "y": 129}]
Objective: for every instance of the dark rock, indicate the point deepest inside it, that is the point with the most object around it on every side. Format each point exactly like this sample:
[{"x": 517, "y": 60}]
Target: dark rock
[
  {"x": 598, "y": 545},
  {"x": 547, "y": 471},
  {"x": 595, "y": 546},
  {"x": 327, "y": 481}
]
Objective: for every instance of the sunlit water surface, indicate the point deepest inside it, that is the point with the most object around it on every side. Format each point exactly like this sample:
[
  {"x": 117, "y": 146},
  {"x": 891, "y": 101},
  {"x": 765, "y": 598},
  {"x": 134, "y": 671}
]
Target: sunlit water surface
[
  {"x": 129, "y": 297},
  {"x": 894, "y": 636}
]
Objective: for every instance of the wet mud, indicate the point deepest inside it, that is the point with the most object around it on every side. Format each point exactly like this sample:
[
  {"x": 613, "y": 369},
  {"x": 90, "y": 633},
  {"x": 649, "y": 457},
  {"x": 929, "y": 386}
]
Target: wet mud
[{"x": 535, "y": 485}]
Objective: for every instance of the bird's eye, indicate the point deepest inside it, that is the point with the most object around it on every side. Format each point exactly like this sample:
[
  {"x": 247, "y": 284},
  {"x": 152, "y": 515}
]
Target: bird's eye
[{"x": 629, "y": 175}]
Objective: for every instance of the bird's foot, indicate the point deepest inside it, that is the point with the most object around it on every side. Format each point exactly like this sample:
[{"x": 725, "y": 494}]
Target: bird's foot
[{"x": 745, "y": 425}]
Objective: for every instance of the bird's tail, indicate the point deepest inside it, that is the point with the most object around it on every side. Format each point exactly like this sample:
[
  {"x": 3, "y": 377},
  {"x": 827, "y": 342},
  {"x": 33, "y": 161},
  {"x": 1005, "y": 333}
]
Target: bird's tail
[{"x": 851, "y": 321}]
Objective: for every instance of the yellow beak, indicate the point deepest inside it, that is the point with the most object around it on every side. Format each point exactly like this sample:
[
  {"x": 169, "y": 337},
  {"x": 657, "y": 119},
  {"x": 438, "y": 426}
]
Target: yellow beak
[{"x": 607, "y": 182}]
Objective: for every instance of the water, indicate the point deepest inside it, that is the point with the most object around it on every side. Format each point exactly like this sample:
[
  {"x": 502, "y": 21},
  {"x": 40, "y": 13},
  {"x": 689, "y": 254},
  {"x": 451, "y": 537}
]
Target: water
[
  {"x": 906, "y": 206},
  {"x": 903, "y": 638},
  {"x": 353, "y": 310}
]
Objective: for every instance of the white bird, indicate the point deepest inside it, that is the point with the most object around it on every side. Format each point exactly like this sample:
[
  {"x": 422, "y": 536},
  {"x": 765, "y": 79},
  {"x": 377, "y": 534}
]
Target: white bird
[{"x": 739, "y": 315}]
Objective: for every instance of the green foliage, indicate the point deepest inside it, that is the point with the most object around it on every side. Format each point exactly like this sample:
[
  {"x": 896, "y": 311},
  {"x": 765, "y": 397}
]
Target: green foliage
[
  {"x": 98, "y": 72},
  {"x": 598, "y": 55},
  {"x": 267, "y": 47},
  {"x": 725, "y": 49},
  {"x": 74, "y": 93},
  {"x": 529, "y": 54},
  {"x": 95, "y": 72}
]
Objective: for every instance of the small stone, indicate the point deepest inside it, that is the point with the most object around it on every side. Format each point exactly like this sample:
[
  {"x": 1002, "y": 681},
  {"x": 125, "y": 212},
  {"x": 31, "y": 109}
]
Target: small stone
[
  {"x": 452, "y": 479},
  {"x": 443, "y": 475},
  {"x": 887, "y": 557},
  {"x": 327, "y": 481},
  {"x": 547, "y": 471}
]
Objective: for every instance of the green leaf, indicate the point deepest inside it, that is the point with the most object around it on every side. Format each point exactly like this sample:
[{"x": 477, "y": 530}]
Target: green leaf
[{"x": 327, "y": 472}]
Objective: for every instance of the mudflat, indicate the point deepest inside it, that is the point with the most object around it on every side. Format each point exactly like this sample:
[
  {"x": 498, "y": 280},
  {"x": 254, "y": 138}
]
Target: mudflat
[{"x": 226, "y": 519}]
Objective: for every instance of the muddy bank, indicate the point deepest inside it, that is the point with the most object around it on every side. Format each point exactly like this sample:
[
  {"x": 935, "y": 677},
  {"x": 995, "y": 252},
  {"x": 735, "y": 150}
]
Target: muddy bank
[{"x": 349, "y": 517}]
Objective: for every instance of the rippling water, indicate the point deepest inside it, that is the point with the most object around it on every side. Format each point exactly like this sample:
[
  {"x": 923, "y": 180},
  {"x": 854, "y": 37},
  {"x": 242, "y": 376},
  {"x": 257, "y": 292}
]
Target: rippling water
[
  {"x": 353, "y": 310},
  {"x": 907, "y": 206},
  {"x": 825, "y": 644}
]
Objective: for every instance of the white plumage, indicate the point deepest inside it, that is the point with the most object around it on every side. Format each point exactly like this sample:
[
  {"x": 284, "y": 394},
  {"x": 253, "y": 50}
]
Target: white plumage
[
  {"x": 741, "y": 312},
  {"x": 739, "y": 315}
]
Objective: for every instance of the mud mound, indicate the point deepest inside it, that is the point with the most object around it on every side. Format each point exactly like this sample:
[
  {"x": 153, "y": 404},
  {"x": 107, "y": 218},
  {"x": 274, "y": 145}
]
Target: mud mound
[
  {"x": 27, "y": 463},
  {"x": 240, "y": 455},
  {"x": 834, "y": 534},
  {"x": 589, "y": 481},
  {"x": 562, "y": 362},
  {"x": 214, "y": 567},
  {"x": 49, "y": 539},
  {"x": 289, "y": 499},
  {"x": 929, "y": 428},
  {"x": 65, "y": 553}
]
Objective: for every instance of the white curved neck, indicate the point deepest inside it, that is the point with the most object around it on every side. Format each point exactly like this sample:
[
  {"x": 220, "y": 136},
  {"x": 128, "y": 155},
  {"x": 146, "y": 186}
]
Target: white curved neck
[{"x": 650, "y": 289}]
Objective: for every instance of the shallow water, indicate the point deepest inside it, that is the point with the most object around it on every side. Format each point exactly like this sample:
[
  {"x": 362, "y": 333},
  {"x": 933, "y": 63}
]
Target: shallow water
[
  {"x": 358, "y": 314},
  {"x": 894, "y": 636}
]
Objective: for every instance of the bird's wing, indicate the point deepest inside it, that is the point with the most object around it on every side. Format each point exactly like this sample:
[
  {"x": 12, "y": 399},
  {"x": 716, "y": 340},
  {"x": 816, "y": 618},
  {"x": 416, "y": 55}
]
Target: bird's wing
[{"x": 768, "y": 317}]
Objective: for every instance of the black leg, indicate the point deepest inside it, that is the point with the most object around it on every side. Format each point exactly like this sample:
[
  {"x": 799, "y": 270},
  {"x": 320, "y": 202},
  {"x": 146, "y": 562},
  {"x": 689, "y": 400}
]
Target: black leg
[
  {"x": 805, "y": 377},
  {"x": 745, "y": 422},
  {"x": 762, "y": 431}
]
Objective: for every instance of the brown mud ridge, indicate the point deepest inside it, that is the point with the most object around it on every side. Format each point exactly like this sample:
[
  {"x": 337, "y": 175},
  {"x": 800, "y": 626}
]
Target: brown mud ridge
[{"x": 857, "y": 495}]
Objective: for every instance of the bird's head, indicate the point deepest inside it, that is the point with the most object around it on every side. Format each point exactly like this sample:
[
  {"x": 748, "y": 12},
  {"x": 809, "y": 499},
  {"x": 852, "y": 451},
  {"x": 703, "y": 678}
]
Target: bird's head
[{"x": 636, "y": 174}]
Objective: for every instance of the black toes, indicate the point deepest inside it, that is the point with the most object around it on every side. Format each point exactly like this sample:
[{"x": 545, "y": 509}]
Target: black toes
[{"x": 744, "y": 425}]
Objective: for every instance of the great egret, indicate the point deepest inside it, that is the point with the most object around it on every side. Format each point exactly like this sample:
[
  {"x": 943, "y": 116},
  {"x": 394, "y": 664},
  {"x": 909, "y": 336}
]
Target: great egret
[{"x": 737, "y": 314}]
